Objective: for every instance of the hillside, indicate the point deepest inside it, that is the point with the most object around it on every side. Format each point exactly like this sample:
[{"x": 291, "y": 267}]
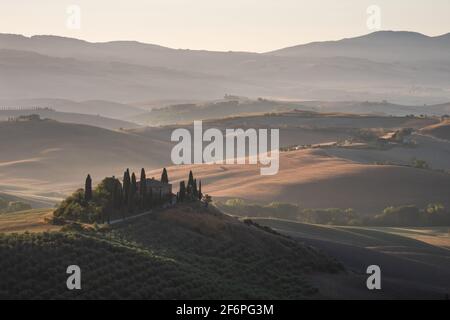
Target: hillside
[
  {"x": 106, "y": 109},
  {"x": 90, "y": 120},
  {"x": 46, "y": 157},
  {"x": 375, "y": 107},
  {"x": 373, "y": 46},
  {"x": 316, "y": 179},
  {"x": 27, "y": 221},
  {"x": 404, "y": 67},
  {"x": 414, "y": 262},
  {"x": 245, "y": 108},
  {"x": 440, "y": 130},
  {"x": 32, "y": 75},
  {"x": 184, "y": 113},
  {"x": 186, "y": 252},
  {"x": 297, "y": 127}
]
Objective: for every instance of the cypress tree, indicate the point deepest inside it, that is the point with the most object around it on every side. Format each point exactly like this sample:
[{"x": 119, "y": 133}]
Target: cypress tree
[
  {"x": 114, "y": 195},
  {"x": 164, "y": 176},
  {"x": 182, "y": 191},
  {"x": 133, "y": 183},
  {"x": 189, "y": 191},
  {"x": 132, "y": 194},
  {"x": 143, "y": 189},
  {"x": 119, "y": 194},
  {"x": 191, "y": 179},
  {"x": 126, "y": 186},
  {"x": 150, "y": 198},
  {"x": 194, "y": 190},
  {"x": 88, "y": 188}
]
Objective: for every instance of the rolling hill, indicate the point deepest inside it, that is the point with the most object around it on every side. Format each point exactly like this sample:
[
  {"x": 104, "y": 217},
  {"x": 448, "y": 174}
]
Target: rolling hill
[
  {"x": 92, "y": 107},
  {"x": 315, "y": 179},
  {"x": 440, "y": 130},
  {"x": 78, "y": 118},
  {"x": 403, "y": 46},
  {"x": 186, "y": 252},
  {"x": 404, "y": 67},
  {"x": 412, "y": 268},
  {"x": 49, "y": 158},
  {"x": 379, "y": 108},
  {"x": 233, "y": 107}
]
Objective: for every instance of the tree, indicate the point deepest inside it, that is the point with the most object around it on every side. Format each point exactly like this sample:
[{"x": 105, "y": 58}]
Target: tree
[
  {"x": 108, "y": 195},
  {"x": 189, "y": 191},
  {"x": 143, "y": 189},
  {"x": 118, "y": 195},
  {"x": 200, "y": 195},
  {"x": 191, "y": 179},
  {"x": 88, "y": 189},
  {"x": 126, "y": 186},
  {"x": 194, "y": 190},
  {"x": 182, "y": 192},
  {"x": 164, "y": 176},
  {"x": 150, "y": 198},
  {"x": 132, "y": 194}
]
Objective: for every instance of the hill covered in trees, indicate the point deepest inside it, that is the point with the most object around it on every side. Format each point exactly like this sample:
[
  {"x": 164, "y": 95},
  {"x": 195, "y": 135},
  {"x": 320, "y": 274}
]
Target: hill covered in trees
[
  {"x": 188, "y": 251},
  {"x": 116, "y": 199}
]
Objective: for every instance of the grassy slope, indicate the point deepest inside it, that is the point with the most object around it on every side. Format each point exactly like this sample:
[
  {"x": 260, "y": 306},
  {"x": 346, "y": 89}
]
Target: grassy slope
[
  {"x": 186, "y": 252},
  {"x": 30, "y": 220},
  {"x": 412, "y": 266},
  {"x": 440, "y": 130},
  {"x": 314, "y": 179}
]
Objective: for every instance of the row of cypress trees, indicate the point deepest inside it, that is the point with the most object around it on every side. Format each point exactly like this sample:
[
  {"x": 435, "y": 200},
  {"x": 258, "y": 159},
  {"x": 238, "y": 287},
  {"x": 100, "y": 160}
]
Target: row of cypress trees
[
  {"x": 125, "y": 197},
  {"x": 191, "y": 191}
]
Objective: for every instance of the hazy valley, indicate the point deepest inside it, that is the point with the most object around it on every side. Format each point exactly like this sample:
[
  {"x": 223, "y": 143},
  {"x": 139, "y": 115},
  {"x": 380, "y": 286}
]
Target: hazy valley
[{"x": 364, "y": 168}]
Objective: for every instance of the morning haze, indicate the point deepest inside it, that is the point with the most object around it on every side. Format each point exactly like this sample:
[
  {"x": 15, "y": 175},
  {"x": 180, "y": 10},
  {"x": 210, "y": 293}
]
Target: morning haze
[
  {"x": 238, "y": 25},
  {"x": 359, "y": 119}
]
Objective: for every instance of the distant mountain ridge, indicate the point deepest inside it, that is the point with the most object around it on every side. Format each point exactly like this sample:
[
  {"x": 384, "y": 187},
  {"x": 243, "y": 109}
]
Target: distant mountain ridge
[
  {"x": 37, "y": 42},
  {"x": 405, "y": 67},
  {"x": 374, "y": 46}
]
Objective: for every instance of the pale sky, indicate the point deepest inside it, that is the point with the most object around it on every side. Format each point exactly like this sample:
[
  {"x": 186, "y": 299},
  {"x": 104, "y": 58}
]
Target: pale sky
[{"x": 238, "y": 25}]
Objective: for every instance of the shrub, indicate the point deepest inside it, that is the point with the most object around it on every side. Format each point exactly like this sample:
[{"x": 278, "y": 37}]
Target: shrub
[
  {"x": 399, "y": 216},
  {"x": 420, "y": 164},
  {"x": 330, "y": 216},
  {"x": 437, "y": 215}
]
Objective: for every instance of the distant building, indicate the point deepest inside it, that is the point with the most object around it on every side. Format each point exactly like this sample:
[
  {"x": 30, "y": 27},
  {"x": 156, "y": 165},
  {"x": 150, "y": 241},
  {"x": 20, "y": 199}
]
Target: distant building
[{"x": 157, "y": 188}]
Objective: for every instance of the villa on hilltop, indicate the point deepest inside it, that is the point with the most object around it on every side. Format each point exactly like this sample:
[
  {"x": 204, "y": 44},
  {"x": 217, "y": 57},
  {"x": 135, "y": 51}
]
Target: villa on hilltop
[{"x": 157, "y": 188}]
